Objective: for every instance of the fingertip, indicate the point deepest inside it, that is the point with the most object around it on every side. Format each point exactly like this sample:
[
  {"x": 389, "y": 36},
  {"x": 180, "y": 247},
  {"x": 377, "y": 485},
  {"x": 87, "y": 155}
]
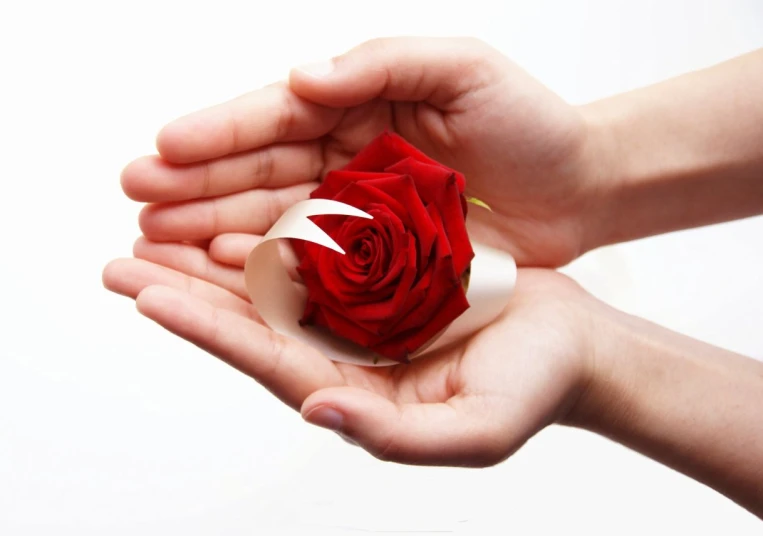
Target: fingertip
[
  {"x": 147, "y": 219},
  {"x": 198, "y": 136},
  {"x": 153, "y": 299},
  {"x": 311, "y": 78},
  {"x": 233, "y": 248},
  {"x": 186, "y": 139},
  {"x": 144, "y": 218},
  {"x": 140, "y": 246},
  {"x": 133, "y": 178},
  {"x": 169, "y": 141},
  {"x": 218, "y": 250},
  {"x": 144, "y": 301},
  {"x": 110, "y": 275},
  {"x": 127, "y": 180},
  {"x": 125, "y": 276},
  {"x": 314, "y": 71},
  {"x": 303, "y": 84},
  {"x": 327, "y": 84}
]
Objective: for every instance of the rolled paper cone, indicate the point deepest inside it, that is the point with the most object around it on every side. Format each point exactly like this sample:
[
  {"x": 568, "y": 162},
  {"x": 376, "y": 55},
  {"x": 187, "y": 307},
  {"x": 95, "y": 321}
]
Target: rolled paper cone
[{"x": 281, "y": 303}]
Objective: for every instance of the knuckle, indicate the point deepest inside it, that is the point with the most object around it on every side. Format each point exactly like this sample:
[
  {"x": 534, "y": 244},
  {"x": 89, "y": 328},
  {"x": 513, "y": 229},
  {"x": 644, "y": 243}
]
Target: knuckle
[
  {"x": 206, "y": 180},
  {"x": 284, "y": 120},
  {"x": 214, "y": 216},
  {"x": 263, "y": 168},
  {"x": 275, "y": 348},
  {"x": 215, "y": 327},
  {"x": 235, "y": 132},
  {"x": 204, "y": 268},
  {"x": 146, "y": 218},
  {"x": 277, "y": 205},
  {"x": 272, "y": 210},
  {"x": 316, "y": 160},
  {"x": 194, "y": 285}
]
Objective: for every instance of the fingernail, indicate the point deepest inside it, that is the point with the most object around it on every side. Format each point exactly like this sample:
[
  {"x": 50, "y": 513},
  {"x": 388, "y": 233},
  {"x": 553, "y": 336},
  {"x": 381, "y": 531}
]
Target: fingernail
[
  {"x": 319, "y": 70},
  {"x": 325, "y": 417}
]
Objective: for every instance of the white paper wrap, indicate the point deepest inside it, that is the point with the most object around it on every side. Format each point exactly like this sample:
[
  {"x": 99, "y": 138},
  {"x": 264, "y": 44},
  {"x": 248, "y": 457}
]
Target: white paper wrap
[{"x": 281, "y": 303}]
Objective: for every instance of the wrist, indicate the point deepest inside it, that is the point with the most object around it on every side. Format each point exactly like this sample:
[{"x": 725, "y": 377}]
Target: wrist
[
  {"x": 612, "y": 337},
  {"x": 603, "y": 175}
]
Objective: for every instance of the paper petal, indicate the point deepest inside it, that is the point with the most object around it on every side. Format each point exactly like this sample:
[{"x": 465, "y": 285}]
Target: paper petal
[{"x": 281, "y": 303}]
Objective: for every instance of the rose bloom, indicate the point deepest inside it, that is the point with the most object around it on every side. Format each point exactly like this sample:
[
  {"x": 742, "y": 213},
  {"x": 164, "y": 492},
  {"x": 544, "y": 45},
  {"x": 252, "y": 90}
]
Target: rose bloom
[{"x": 399, "y": 282}]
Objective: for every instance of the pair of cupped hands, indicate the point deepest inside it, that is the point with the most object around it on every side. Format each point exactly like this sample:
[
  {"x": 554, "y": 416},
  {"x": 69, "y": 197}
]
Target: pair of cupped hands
[{"x": 225, "y": 174}]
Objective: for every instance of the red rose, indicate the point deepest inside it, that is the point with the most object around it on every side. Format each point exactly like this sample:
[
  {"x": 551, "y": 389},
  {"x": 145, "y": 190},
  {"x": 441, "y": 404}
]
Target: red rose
[{"x": 399, "y": 282}]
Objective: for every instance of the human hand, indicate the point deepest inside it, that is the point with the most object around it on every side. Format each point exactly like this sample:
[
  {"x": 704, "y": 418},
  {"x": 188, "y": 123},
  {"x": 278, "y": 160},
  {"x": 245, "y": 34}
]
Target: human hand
[
  {"x": 225, "y": 174},
  {"x": 472, "y": 404}
]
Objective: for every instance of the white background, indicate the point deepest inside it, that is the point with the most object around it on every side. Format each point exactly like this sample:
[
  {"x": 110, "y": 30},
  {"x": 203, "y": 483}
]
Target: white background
[{"x": 109, "y": 425}]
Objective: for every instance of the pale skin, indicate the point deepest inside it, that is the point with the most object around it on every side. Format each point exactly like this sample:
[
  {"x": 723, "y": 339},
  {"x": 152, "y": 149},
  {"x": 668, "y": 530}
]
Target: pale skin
[{"x": 561, "y": 180}]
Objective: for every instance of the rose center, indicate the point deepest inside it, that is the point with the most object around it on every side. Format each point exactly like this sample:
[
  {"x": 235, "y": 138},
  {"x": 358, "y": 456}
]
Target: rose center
[{"x": 363, "y": 252}]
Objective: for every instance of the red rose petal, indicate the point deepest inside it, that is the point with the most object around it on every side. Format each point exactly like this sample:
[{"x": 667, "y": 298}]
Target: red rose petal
[
  {"x": 405, "y": 343},
  {"x": 429, "y": 178},
  {"x": 403, "y": 188},
  {"x": 371, "y": 257},
  {"x": 388, "y": 149},
  {"x": 363, "y": 196},
  {"x": 320, "y": 305},
  {"x": 398, "y": 284},
  {"x": 353, "y": 282},
  {"x": 317, "y": 293},
  {"x": 298, "y": 247},
  {"x": 391, "y": 309},
  {"x": 395, "y": 236},
  {"x": 339, "y": 282},
  {"x": 443, "y": 244},
  {"x": 442, "y": 277},
  {"x": 433, "y": 298},
  {"x": 336, "y": 180},
  {"x": 449, "y": 205},
  {"x": 380, "y": 264},
  {"x": 340, "y": 323}
]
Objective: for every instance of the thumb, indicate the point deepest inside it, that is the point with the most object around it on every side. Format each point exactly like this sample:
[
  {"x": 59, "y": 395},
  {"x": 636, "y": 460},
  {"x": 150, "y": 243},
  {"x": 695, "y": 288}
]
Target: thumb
[
  {"x": 436, "y": 70},
  {"x": 459, "y": 432}
]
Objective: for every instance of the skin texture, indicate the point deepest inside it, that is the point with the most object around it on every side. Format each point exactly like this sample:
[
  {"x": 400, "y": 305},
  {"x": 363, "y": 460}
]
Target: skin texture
[
  {"x": 561, "y": 180},
  {"x": 680, "y": 154},
  {"x": 684, "y": 403},
  {"x": 480, "y": 406},
  {"x": 235, "y": 166}
]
